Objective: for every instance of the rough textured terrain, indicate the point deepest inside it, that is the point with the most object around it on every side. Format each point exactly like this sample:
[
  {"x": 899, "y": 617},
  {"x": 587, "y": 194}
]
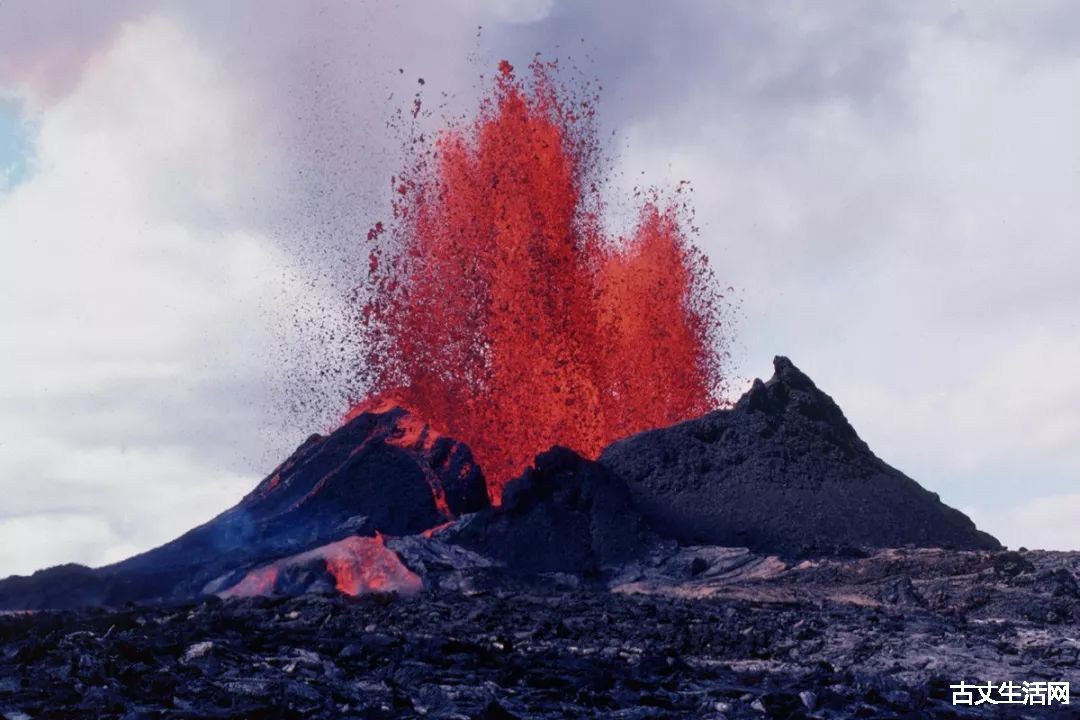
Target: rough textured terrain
[
  {"x": 732, "y": 636},
  {"x": 782, "y": 471}
]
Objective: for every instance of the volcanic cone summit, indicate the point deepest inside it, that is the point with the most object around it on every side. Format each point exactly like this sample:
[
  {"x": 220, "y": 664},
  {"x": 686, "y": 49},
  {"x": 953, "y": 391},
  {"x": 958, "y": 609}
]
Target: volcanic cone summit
[{"x": 782, "y": 471}]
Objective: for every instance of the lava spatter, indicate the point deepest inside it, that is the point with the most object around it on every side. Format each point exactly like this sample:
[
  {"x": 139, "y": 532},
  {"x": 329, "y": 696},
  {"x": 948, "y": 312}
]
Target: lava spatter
[{"x": 499, "y": 311}]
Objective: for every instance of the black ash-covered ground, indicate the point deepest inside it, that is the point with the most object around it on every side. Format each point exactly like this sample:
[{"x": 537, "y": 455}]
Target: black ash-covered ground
[{"x": 537, "y": 653}]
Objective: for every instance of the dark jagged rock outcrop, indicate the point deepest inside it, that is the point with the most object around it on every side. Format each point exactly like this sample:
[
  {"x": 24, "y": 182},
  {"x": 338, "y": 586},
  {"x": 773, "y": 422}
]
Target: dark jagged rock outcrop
[
  {"x": 381, "y": 471},
  {"x": 565, "y": 514},
  {"x": 783, "y": 471}
]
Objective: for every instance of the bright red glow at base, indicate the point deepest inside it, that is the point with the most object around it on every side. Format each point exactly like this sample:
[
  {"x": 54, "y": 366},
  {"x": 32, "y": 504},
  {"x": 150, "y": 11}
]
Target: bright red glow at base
[
  {"x": 357, "y": 565},
  {"x": 500, "y": 312},
  {"x": 363, "y": 565}
]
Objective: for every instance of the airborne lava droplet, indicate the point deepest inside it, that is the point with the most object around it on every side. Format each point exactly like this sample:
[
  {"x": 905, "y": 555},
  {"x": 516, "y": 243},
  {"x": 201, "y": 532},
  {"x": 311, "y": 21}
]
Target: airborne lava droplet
[{"x": 499, "y": 311}]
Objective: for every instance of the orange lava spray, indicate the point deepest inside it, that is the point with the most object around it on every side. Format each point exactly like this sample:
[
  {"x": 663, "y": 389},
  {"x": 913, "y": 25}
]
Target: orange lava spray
[{"x": 500, "y": 312}]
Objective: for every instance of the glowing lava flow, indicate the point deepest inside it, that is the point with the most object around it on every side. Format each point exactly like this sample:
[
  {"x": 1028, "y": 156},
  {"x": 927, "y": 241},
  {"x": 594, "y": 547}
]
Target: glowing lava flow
[
  {"x": 500, "y": 313},
  {"x": 357, "y": 565},
  {"x": 363, "y": 565}
]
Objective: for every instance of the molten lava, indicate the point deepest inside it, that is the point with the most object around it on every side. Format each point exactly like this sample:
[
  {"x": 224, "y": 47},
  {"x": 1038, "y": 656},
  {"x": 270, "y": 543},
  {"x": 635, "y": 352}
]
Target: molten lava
[
  {"x": 356, "y": 565},
  {"x": 500, "y": 312},
  {"x": 363, "y": 565}
]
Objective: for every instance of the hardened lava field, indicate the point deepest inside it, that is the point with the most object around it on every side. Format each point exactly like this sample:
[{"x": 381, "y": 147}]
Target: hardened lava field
[{"x": 723, "y": 637}]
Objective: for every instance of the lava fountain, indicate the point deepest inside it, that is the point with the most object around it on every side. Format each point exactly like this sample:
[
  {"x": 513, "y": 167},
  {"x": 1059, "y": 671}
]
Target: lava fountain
[{"x": 497, "y": 308}]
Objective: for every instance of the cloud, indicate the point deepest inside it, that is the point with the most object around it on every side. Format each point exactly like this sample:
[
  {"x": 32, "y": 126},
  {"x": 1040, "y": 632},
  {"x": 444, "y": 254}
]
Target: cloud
[
  {"x": 47, "y": 44},
  {"x": 1037, "y": 523},
  {"x": 137, "y": 308},
  {"x": 99, "y": 502},
  {"x": 99, "y": 544}
]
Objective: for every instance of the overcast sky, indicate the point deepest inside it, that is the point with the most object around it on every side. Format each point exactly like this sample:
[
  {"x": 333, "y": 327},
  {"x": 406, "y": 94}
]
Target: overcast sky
[{"x": 894, "y": 188}]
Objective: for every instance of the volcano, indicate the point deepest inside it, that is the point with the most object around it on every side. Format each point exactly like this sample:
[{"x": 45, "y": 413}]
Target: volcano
[
  {"x": 384, "y": 471},
  {"x": 783, "y": 472},
  {"x": 753, "y": 562}
]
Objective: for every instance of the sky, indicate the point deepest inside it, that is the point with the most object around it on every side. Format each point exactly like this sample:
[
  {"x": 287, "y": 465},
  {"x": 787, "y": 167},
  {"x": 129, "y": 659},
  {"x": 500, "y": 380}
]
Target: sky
[{"x": 185, "y": 186}]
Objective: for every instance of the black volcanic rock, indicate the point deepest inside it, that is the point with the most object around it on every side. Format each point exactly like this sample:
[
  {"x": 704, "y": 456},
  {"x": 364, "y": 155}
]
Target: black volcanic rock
[
  {"x": 565, "y": 514},
  {"x": 381, "y": 471},
  {"x": 783, "y": 471},
  {"x": 833, "y": 639}
]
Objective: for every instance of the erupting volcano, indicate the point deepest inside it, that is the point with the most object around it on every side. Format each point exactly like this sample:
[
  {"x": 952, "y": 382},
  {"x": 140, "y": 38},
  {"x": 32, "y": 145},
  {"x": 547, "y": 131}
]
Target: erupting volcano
[{"x": 499, "y": 310}]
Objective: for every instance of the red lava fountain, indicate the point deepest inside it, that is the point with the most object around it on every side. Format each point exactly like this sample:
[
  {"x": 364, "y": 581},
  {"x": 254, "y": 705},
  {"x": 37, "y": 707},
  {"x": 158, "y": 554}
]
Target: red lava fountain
[{"x": 500, "y": 312}]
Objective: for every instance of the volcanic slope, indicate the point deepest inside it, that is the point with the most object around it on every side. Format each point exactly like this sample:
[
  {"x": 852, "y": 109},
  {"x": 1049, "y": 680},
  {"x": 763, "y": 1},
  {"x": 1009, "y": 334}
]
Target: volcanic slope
[
  {"x": 784, "y": 472},
  {"x": 382, "y": 471}
]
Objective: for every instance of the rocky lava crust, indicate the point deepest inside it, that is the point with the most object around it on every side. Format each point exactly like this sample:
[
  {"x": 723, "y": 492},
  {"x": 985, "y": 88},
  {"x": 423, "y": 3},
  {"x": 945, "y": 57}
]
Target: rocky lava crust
[{"x": 880, "y": 637}]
